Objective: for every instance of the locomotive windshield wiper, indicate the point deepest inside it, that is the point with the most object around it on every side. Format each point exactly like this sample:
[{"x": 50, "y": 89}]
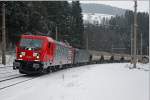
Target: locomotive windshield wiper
[{"x": 35, "y": 48}]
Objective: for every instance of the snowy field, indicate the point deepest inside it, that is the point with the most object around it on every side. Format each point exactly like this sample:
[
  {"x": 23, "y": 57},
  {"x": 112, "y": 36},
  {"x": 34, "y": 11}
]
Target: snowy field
[
  {"x": 90, "y": 82},
  {"x": 9, "y": 60}
]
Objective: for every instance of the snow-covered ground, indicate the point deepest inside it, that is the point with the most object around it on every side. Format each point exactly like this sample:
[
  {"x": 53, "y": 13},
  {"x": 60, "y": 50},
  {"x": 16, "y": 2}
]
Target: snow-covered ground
[
  {"x": 95, "y": 18},
  {"x": 9, "y": 60},
  {"x": 90, "y": 82}
]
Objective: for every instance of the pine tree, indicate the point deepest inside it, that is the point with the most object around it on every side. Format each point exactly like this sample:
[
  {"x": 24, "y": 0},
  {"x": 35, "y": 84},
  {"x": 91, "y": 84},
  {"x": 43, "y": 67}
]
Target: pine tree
[
  {"x": 58, "y": 16},
  {"x": 16, "y": 20},
  {"x": 77, "y": 24}
]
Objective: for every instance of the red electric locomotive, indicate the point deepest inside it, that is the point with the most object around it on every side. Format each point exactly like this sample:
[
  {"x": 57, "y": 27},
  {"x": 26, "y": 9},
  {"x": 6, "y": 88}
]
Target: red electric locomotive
[{"x": 39, "y": 54}]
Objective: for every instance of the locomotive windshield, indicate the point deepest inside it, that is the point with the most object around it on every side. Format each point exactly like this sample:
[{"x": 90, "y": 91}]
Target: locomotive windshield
[{"x": 31, "y": 43}]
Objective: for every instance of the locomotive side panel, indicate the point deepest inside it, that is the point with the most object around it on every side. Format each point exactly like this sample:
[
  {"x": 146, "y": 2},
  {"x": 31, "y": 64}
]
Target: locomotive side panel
[{"x": 63, "y": 55}]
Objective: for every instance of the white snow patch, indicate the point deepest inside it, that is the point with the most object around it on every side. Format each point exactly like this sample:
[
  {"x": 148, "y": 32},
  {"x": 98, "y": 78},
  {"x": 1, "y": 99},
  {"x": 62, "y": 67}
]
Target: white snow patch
[
  {"x": 9, "y": 60},
  {"x": 95, "y": 18},
  {"x": 91, "y": 82}
]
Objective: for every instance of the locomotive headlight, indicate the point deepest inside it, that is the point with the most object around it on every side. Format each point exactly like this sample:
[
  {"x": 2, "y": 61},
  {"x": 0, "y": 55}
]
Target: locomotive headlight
[
  {"x": 35, "y": 54},
  {"x": 37, "y": 57},
  {"x": 20, "y": 56},
  {"x": 23, "y": 53}
]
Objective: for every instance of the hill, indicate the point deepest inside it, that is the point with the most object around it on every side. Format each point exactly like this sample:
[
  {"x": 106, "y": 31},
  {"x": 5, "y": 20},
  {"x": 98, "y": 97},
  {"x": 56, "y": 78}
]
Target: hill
[{"x": 101, "y": 9}]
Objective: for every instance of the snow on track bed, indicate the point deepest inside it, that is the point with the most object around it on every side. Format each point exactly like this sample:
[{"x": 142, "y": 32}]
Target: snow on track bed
[
  {"x": 10, "y": 77},
  {"x": 14, "y": 81},
  {"x": 8, "y": 72},
  {"x": 5, "y": 66},
  {"x": 5, "y": 72},
  {"x": 90, "y": 82}
]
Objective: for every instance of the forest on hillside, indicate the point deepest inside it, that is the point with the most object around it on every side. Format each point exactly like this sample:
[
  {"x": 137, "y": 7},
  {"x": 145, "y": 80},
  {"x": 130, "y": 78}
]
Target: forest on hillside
[
  {"x": 44, "y": 17},
  {"x": 101, "y": 8},
  {"x": 114, "y": 34}
]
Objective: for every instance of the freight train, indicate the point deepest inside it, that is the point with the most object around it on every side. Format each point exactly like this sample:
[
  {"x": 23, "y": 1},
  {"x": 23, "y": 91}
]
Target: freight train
[{"x": 42, "y": 54}]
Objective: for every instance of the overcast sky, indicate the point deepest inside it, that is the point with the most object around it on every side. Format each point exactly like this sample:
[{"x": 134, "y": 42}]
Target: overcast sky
[{"x": 143, "y": 5}]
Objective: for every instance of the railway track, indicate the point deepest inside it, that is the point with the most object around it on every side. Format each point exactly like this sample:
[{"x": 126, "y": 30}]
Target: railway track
[
  {"x": 12, "y": 81},
  {"x": 10, "y": 77},
  {"x": 15, "y": 83},
  {"x": 8, "y": 73}
]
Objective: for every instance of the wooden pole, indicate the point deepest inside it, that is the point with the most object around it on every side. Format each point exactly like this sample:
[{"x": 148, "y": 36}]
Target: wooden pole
[
  {"x": 135, "y": 34},
  {"x": 56, "y": 33},
  {"x": 3, "y": 36},
  {"x": 87, "y": 41},
  {"x": 141, "y": 44},
  {"x": 131, "y": 44}
]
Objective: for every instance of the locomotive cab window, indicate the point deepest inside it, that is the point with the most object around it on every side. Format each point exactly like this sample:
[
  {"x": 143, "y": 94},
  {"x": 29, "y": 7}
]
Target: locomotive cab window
[{"x": 31, "y": 43}]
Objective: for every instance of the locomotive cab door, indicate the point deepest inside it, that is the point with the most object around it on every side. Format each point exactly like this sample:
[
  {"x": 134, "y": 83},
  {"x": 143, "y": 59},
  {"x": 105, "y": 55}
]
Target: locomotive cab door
[
  {"x": 51, "y": 51},
  {"x": 48, "y": 52}
]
